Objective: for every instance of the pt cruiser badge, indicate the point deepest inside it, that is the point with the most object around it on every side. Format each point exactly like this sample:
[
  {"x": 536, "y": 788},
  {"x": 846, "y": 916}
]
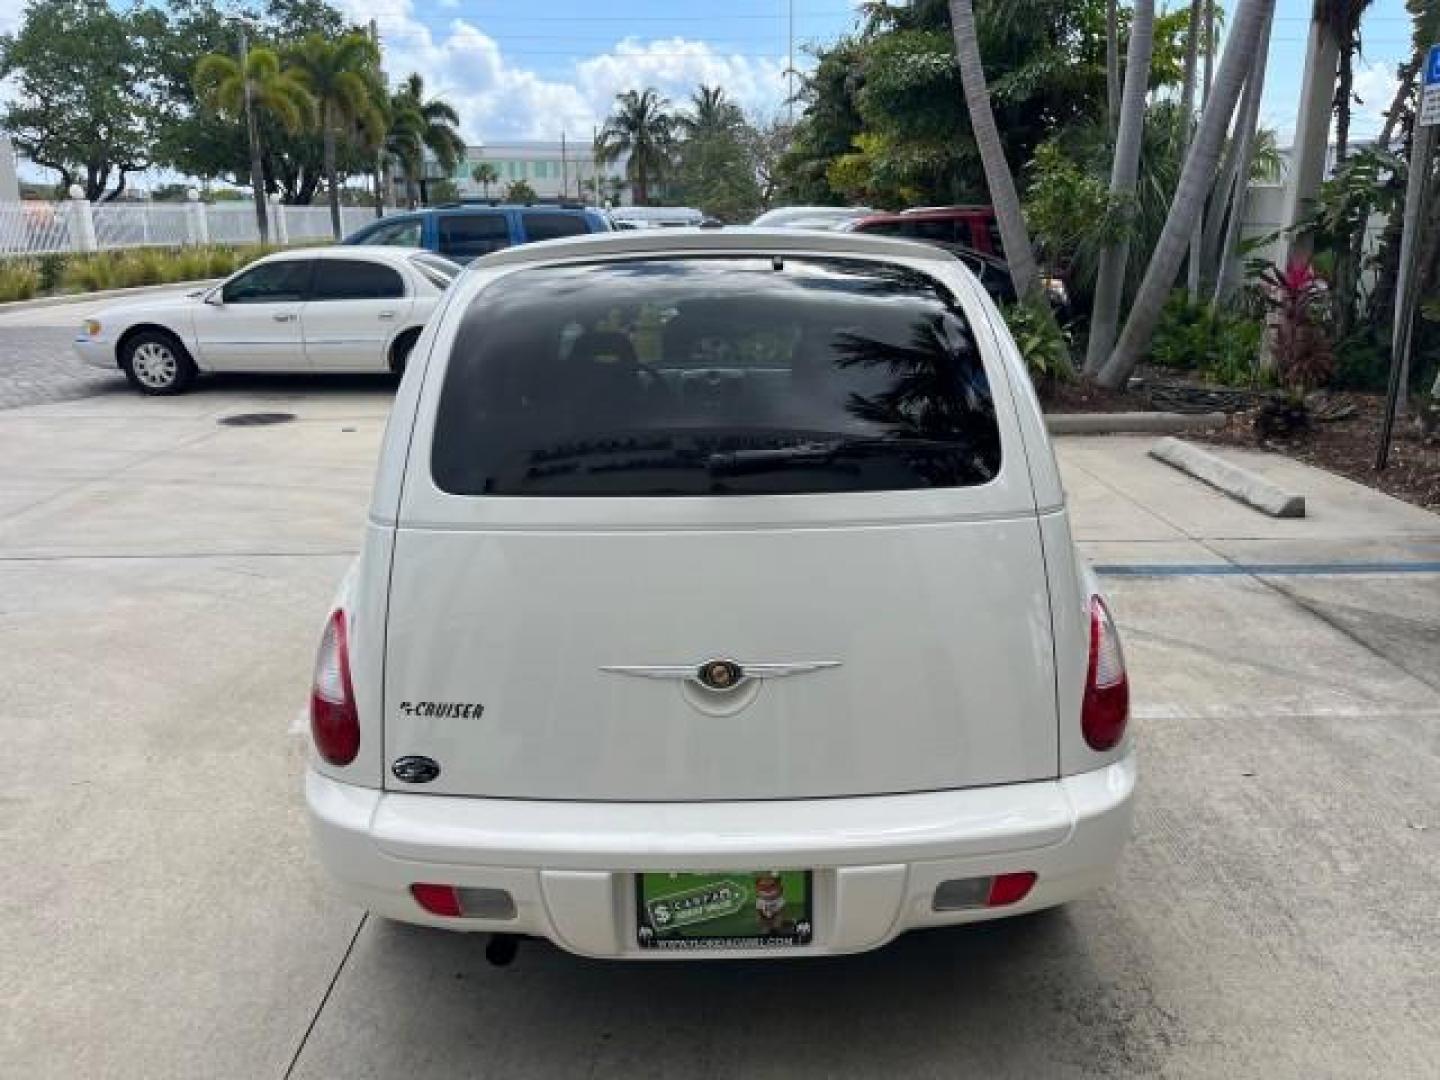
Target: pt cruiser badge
[{"x": 721, "y": 675}]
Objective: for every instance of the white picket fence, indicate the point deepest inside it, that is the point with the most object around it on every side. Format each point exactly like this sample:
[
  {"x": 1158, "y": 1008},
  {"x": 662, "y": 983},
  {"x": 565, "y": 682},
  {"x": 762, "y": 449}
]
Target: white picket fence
[{"x": 43, "y": 228}]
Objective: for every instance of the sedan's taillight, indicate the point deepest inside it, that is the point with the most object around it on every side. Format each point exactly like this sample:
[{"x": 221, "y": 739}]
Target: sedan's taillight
[
  {"x": 1106, "y": 710},
  {"x": 334, "y": 721}
]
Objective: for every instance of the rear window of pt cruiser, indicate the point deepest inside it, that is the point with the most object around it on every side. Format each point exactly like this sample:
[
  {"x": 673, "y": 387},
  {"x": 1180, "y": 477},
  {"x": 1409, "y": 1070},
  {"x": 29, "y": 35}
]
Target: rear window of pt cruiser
[{"x": 714, "y": 377}]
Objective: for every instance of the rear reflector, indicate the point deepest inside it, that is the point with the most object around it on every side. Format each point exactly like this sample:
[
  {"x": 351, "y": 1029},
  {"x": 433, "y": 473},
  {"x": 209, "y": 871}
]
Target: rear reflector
[
  {"x": 958, "y": 894},
  {"x": 456, "y": 902},
  {"x": 1010, "y": 889},
  {"x": 1106, "y": 708}
]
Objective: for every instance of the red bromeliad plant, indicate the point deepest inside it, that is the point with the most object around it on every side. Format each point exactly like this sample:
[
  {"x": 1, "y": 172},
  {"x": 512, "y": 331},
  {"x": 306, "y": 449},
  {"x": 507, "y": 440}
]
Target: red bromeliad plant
[{"x": 1300, "y": 345}]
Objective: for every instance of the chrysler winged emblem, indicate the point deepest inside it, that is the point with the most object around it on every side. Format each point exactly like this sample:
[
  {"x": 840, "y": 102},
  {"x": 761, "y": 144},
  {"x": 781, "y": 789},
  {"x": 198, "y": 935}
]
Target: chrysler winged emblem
[{"x": 720, "y": 675}]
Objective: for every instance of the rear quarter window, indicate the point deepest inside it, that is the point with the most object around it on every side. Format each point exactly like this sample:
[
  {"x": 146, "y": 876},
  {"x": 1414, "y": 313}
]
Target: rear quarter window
[
  {"x": 714, "y": 377},
  {"x": 551, "y": 226}
]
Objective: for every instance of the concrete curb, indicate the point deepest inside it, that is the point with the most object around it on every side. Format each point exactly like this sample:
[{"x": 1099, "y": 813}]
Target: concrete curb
[
  {"x": 103, "y": 294},
  {"x": 1241, "y": 484},
  {"x": 1121, "y": 423}
]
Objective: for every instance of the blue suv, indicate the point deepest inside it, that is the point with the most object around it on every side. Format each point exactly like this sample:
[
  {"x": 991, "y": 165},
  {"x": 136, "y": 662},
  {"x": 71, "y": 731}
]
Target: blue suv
[{"x": 465, "y": 231}]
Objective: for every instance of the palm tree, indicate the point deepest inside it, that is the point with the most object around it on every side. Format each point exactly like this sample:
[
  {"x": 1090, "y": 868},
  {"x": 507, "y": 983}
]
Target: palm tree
[
  {"x": 1312, "y": 128},
  {"x": 1110, "y": 281},
  {"x": 1112, "y": 67},
  {"x": 485, "y": 174},
  {"x": 711, "y": 113},
  {"x": 1195, "y": 180},
  {"x": 1013, "y": 233},
  {"x": 1187, "y": 110},
  {"x": 343, "y": 75},
  {"x": 1239, "y": 181},
  {"x": 258, "y": 83},
  {"x": 641, "y": 127},
  {"x": 419, "y": 124}
]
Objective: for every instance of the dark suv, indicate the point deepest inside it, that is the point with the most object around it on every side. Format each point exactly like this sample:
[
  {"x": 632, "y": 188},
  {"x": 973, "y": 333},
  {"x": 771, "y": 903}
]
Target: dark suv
[
  {"x": 465, "y": 231},
  {"x": 969, "y": 226}
]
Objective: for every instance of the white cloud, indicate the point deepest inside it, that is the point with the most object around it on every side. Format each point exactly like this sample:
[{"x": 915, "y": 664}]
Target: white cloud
[
  {"x": 11, "y": 12},
  {"x": 1375, "y": 85},
  {"x": 499, "y": 99}
]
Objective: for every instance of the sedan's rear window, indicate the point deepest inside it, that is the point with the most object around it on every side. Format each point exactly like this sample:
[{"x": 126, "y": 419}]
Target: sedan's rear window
[{"x": 714, "y": 376}]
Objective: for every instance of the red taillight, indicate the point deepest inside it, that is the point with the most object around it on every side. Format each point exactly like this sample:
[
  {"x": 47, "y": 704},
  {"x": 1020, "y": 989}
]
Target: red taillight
[
  {"x": 1010, "y": 888},
  {"x": 1107, "y": 688},
  {"x": 437, "y": 899},
  {"x": 334, "y": 722}
]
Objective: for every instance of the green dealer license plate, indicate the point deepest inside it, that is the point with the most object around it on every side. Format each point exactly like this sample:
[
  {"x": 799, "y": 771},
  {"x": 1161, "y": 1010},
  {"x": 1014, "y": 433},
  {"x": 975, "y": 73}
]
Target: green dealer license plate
[{"x": 738, "y": 909}]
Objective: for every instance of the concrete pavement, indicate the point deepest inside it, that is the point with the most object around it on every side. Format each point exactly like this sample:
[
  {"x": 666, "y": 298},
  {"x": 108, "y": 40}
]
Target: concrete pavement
[{"x": 162, "y": 582}]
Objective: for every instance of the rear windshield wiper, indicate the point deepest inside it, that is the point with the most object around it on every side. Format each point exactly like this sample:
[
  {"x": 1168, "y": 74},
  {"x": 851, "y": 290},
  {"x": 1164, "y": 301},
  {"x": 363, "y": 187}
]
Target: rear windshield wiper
[{"x": 826, "y": 452}]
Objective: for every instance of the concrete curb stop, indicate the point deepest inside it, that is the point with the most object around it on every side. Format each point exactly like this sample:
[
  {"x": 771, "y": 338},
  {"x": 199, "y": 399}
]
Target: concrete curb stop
[
  {"x": 1121, "y": 423},
  {"x": 1240, "y": 484}
]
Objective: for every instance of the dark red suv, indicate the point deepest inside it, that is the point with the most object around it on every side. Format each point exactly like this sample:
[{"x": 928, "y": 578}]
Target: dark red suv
[{"x": 970, "y": 226}]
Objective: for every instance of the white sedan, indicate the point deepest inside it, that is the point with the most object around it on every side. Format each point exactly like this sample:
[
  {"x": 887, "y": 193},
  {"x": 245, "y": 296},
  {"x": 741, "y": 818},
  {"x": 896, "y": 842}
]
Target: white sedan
[{"x": 344, "y": 309}]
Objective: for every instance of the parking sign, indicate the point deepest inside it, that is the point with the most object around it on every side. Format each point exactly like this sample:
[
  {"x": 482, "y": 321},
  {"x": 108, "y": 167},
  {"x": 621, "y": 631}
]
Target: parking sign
[{"x": 1430, "y": 93}]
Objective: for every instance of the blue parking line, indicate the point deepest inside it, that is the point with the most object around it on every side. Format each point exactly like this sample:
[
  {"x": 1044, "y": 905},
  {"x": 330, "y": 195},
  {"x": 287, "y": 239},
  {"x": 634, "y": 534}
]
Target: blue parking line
[{"x": 1263, "y": 569}]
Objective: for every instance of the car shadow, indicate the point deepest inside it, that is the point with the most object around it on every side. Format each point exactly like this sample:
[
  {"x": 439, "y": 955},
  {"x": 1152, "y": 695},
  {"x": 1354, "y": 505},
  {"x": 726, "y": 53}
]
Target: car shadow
[{"x": 1033, "y": 996}]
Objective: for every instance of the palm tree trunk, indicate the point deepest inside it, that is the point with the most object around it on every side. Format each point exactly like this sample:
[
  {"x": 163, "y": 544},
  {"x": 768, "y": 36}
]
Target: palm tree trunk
[
  {"x": 1003, "y": 196},
  {"x": 1187, "y": 102},
  {"x": 1197, "y": 235},
  {"x": 257, "y": 178},
  {"x": 257, "y": 168},
  {"x": 380, "y": 183},
  {"x": 1112, "y": 67},
  {"x": 1250, "y": 19},
  {"x": 1312, "y": 134},
  {"x": 1239, "y": 187},
  {"x": 331, "y": 173},
  {"x": 1110, "y": 278}
]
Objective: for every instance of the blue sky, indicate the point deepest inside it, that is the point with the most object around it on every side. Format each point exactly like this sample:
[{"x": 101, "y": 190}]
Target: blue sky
[{"x": 519, "y": 69}]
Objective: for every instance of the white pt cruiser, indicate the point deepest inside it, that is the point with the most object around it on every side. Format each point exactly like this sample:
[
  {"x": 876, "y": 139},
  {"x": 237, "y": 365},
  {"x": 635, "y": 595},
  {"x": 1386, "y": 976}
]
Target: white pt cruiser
[{"x": 718, "y": 598}]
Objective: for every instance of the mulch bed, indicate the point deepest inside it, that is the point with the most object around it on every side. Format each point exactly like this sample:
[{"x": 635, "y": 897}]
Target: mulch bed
[
  {"x": 1345, "y": 445},
  {"x": 1348, "y": 447}
]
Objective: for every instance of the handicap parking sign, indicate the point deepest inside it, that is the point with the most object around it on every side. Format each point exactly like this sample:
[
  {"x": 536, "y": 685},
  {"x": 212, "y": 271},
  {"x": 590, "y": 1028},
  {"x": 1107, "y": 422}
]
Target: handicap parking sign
[{"x": 1430, "y": 95}]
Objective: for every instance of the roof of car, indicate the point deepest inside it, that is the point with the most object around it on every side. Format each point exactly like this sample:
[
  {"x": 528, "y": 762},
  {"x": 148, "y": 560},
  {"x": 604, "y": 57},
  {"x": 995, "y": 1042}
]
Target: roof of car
[
  {"x": 682, "y": 241},
  {"x": 467, "y": 207},
  {"x": 379, "y": 254},
  {"x": 930, "y": 212}
]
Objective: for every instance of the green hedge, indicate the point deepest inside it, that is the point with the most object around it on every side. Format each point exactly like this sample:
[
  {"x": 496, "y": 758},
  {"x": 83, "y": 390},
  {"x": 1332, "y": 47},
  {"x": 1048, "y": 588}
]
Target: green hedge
[{"x": 27, "y": 277}]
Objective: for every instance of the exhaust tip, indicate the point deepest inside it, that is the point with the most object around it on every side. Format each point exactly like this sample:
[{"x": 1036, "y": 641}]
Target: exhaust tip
[{"x": 501, "y": 949}]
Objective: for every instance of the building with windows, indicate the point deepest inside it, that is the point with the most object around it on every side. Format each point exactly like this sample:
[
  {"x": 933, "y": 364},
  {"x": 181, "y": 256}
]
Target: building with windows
[{"x": 554, "y": 170}]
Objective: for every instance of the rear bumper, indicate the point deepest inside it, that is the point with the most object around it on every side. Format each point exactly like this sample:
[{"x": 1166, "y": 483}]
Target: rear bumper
[{"x": 569, "y": 866}]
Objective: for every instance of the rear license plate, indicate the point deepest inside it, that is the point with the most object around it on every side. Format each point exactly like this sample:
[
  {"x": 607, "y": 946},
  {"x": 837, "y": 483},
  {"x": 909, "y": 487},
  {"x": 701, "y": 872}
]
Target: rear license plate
[{"x": 738, "y": 909}]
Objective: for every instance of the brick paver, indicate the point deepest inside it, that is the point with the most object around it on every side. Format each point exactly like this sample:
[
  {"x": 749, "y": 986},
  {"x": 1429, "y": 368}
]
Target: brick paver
[{"x": 37, "y": 365}]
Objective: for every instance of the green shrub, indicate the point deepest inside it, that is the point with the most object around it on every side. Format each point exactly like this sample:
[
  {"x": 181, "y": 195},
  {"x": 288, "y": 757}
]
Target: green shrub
[
  {"x": 19, "y": 279},
  {"x": 1361, "y": 362},
  {"x": 1040, "y": 339},
  {"x": 1219, "y": 345},
  {"x": 52, "y": 270}
]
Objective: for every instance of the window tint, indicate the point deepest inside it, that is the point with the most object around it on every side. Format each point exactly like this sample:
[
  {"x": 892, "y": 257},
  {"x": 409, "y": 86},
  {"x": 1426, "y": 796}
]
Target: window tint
[
  {"x": 280, "y": 282},
  {"x": 468, "y": 236},
  {"x": 355, "y": 279},
  {"x": 543, "y": 226},
  {"x": 997, "y": 246},
  {"x": 886, "y": 228},
  {"x": 941, "y": 229},
  {"x": 393, "y": 234},
  {"x": 710, "y": 376}
]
